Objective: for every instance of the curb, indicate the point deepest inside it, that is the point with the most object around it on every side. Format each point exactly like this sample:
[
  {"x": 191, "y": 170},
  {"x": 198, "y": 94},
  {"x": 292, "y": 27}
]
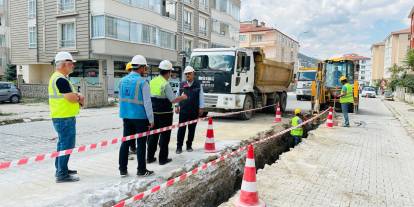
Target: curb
[{"x": 406, "y": 124}]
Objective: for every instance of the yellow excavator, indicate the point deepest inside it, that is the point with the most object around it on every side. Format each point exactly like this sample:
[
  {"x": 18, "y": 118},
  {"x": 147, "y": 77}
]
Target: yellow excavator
[{"x": 327, "y": 86}]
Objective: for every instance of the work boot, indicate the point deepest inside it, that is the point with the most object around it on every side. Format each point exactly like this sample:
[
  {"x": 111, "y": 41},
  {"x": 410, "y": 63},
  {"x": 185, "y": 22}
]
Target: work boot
[
  {"x": 166, "y": 161},
  {"x": 67, "y": 179},
  {"x": 151, "y": 160},
  {"x": 70, "y": 172},
  {"x": 123, "y": 173},
  {"x": 189, "y": 149},
  {"x": 179, "y": 150}
]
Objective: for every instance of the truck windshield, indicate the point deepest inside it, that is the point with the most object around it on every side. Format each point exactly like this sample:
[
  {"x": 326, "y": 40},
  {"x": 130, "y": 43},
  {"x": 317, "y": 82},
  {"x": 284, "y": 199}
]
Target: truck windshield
[
  {"x": 335, "y": 70},
  {"x": 213, "y": 62},
  {"x": 306, "y": 76}
]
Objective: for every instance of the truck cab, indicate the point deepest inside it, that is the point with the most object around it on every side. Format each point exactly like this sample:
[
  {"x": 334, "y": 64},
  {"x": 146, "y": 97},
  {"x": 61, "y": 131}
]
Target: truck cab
[
  {"x": 227, "y": 75},
  {"x": 304, "y": 79}
]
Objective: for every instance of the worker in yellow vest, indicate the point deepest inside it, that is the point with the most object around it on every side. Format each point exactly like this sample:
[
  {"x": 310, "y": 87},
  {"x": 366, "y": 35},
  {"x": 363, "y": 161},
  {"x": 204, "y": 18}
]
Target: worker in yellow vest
[
  {"x": 162, "y": 98},
  {"x": 64, "y": 104},
  {"x": 297, "y": 133},
  {"x": 346, "y": 99}
]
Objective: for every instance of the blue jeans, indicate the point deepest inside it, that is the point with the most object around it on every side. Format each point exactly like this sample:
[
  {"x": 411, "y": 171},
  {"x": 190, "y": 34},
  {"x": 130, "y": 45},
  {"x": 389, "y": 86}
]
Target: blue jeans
[
  {"x": 296, "y": 139},
  {"x": 345, "y": 108},
  {"x": 66, "y": 130}
]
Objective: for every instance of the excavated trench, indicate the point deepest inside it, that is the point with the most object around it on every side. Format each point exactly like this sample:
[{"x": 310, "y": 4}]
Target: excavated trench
[{"x": 219, "y": 183}]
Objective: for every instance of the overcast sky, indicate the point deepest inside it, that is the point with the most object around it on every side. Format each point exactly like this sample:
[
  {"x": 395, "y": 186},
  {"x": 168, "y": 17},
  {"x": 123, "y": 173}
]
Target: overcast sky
[{"x": 327, "y": 28}]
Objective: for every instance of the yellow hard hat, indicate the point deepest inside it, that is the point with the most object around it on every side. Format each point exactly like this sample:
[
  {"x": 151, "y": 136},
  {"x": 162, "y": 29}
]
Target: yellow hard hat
[
  {"x": 128, "y": 67},
  {"x": 342, "y": 78},
  {"x": 297, "y": 111}
]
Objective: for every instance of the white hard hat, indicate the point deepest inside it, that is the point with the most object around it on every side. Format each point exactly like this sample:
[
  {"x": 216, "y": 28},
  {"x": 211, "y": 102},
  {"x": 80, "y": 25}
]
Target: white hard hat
[
  {"x": 165, "y": 65},
  {"x": 188, "y": 69},
  {"x": 139, "y": 60},
  {"x": 64, "y": 56}
]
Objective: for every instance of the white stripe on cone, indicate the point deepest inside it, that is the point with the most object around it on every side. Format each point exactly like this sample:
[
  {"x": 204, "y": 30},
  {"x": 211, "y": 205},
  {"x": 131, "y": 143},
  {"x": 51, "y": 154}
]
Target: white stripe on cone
[
  {"x": 210, "y": 140},
  {"x": 249, "y": 186},
  {"x": 250, "y": 163}
]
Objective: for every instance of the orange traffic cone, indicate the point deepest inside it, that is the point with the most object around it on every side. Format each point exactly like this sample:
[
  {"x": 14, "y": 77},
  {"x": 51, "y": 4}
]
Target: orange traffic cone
[
  {"x": 210, "y": 146},
  {"x": 278, "y": 117},
  {"x": 329, "y": 121},
  {"x": 249, "y": 197}
]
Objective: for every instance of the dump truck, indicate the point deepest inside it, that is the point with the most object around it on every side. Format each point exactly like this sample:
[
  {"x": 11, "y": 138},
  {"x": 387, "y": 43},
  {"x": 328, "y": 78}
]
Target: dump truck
[
  {"x": 237, "y": 79},
  {"x": 327, "y": 86},
  {"x": 304, "y": 78}
]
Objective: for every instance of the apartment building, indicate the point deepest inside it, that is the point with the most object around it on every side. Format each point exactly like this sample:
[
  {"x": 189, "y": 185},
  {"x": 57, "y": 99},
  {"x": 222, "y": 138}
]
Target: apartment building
[
  {"x": 4, "y": 37},
  {"x": 411, "y": 16},
  {"x": 365, "y": 71},
  {"x": 275, "y": 44},
  {"x": 103, "y": 35},
  {"x": 395, "y": 51},
  {"x": 194, "y": 26},
  {"x": 225, "y": 23},
  {"x": 377, "y": 56}
]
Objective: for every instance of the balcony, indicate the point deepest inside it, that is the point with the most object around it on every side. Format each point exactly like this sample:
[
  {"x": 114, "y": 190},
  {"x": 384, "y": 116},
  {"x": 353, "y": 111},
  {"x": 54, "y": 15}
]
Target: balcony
[
  {"x": 203, "y": 31},
  {"x": 188, "y": 27}
]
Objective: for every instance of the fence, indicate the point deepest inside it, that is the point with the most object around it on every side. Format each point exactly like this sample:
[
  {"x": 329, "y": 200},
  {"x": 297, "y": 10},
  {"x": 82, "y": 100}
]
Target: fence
[
  {"x": 403, "y": 94},
  {"x": 95, "y": 95}
]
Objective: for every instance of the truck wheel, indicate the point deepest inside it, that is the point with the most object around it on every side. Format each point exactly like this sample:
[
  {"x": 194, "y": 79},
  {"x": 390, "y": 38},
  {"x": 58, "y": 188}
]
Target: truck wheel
[
  {"x": 248, "y": 104},
  {"x": 283, "y": 101}
]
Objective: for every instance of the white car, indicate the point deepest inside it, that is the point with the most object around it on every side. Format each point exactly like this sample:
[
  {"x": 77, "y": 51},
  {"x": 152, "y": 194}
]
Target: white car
[{"x": 368, "y": 92}]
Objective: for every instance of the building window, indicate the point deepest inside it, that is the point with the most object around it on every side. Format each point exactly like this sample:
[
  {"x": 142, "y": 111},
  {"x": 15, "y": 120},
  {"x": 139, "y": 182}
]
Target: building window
[
  {"x": 204, "y": 4},
  {"x": 257, "y": 38},
  {"x": 188, "y": 46},
  {"x": 153, "y": 5},
  {"x": 243, "y": 38},
  {"x": 31, "y": 8},
  {"x": 187, "y": 1},
  {"x": 32, "y": 37},
  {"x": 98, "y": 24},
  {"x": 66, "y": 6},
  {"x": 203, "y": 28},
  {"x": 2, "y": 40},
  {"x": 203, "y": 44},
  {"x": 188, "y": 20},
  {"x": 149, "y": 34},
  {"x": 67, "y": 35},
  {"x": 167, "y": 40},
  {"x": 170, "y": 7}
]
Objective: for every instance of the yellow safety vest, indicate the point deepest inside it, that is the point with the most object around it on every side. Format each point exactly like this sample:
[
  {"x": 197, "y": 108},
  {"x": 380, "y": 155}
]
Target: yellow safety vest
[
  {"x": 157, "y": 86},
  {"x": 59, "y": 106},
  {"x": 298, "y": 132},
  {"x": 349, "y": 95}
]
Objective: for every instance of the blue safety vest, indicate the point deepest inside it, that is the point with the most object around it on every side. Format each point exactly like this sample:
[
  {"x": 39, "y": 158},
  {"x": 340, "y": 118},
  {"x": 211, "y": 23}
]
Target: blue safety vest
[{"x": 131, "y": 100}]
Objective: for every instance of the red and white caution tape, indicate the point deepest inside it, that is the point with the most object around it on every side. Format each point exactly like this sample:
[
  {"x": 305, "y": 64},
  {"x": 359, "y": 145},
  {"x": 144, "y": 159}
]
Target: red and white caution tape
[
  {"x": 105, "y": 143},
  {"x": 196, "y": 170}
]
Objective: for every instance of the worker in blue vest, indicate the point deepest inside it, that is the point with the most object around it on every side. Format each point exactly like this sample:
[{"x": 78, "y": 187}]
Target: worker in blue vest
[
  {"x": 135, "y": 108},
  {"x": 163, "y": 98},
  {"x": 190, "y": 109},
  {"x": 297, "y": 133},
  {"x": 346, "y": 99}
]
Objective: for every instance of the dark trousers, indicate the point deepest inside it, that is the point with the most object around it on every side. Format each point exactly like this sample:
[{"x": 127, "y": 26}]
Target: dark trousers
[
  {"x": 191, "y": 129},
  {"x": 160, "y": 121},
  {"x": 134, "y": 126}
]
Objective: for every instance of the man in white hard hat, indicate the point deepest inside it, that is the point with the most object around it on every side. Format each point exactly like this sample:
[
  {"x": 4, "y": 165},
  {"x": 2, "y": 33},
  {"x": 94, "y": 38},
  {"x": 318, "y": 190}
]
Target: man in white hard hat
[
  {"x": 135, "y": 108},
  {"x": 64, "y": 104},
  {"x": 190, "y": 109},
  {"x": 163, "y": 98}
]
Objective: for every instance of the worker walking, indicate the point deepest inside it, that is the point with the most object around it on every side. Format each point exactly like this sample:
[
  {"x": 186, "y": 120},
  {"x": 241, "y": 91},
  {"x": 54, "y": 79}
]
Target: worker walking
[
  {"x": 133, "y": 146},
  {"x": 190, "y": 109},
  {"x": 297, "y": 133},
  {"x": 346, "y": 99},
  {"x": 136, "y": 111},
  {"x": 163, "y": 98},
  {"x": 64, "y": 104}
]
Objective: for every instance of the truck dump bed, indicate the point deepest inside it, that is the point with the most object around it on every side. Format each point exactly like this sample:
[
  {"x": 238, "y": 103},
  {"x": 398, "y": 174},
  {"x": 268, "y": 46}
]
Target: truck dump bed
[{"x": 271, "y": 76}]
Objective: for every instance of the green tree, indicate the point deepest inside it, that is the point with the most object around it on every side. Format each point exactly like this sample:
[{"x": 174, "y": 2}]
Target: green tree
[
  {"x": 409, "y": 60},
  {"x": 395, "y": 71},
  {"x": 11, "y": 73}
]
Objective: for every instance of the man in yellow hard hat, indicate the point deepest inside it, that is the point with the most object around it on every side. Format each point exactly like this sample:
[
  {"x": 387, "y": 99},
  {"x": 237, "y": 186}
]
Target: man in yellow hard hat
[
  {"x": 346, "y": 98},
  {"x": 128, "y": 67},
  {"x": 297, "y": 133}
]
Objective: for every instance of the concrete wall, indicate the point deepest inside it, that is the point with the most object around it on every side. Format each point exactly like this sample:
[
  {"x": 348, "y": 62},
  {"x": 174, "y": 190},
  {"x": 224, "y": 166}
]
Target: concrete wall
[
  {"x": 377, "y": 53},
  {"x": 35, "y": 73}
]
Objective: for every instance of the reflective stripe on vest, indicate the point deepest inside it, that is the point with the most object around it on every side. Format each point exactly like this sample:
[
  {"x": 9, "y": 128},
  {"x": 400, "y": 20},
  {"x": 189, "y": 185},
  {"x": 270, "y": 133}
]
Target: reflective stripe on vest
[
  {"x": 298, "y": 131},
  {"x": 157, "y": 86},
  {"x": 137, "y": 96},
  {"x": 59, "y": 106},
  {"x": 349, "y": 96}
]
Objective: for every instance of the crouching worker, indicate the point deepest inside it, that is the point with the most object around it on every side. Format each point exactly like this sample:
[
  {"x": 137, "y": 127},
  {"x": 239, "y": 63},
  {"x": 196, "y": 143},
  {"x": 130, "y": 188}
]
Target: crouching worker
[{"x": 297, "y": 133}]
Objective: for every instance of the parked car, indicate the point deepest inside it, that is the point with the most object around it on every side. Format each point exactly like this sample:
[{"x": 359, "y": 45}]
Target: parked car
[
  {"x": 389, "y": 95},
  {"x": 9, "y": 92},
  {"x": 368, "y": 92}
]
